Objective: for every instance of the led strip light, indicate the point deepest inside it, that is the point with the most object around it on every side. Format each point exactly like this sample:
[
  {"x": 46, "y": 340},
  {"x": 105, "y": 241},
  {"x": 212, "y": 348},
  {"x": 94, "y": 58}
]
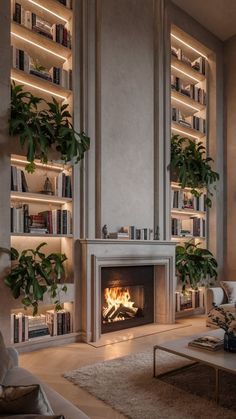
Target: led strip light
[
  {"x": 184, "y": 103},
  {"x": 185, "y": 133},
  {"x": 28, "y": 198},
  {"x": 189, "y": 46},
  {"x": 38, "y": 46},
  {"x": 34, "y": 86},
  {"x": 47, "y": 10},
  {"x": 45, "y": 166},
  {"x": 186, "y": 74}
]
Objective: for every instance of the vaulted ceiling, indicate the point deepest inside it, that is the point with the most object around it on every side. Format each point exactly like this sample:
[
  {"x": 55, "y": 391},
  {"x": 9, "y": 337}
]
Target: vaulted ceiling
[{"x": 218, "y": 16}]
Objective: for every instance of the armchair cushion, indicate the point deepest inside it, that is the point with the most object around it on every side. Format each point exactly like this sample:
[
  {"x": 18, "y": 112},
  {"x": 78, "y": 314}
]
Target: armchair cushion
[
  {"x": 24, "y": 400},
  {"x": 230, "y": 290}
]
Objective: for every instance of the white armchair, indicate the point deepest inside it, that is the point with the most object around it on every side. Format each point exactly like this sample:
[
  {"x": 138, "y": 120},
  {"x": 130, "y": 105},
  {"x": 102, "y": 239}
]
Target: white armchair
[{"x": 221, "y": 296}]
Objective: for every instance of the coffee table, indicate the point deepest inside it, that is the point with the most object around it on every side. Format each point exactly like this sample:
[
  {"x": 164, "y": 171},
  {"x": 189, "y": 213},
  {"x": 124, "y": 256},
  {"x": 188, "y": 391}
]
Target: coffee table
[{"x": 219, "y": 360}]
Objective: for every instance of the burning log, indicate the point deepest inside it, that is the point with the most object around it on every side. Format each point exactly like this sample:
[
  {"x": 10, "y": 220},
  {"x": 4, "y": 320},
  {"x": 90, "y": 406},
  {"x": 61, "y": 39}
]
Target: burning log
[
  {"x": 123, "y": 311},
  {"x": 108, "y": 312}
]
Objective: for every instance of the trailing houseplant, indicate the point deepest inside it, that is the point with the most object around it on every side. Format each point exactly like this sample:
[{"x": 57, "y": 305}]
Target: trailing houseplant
[
  {"x": 192, "y": 168},
  {"x": 194, "y": 265},
  {"x": 43, "y": 129},
  {"x": 33, "y": 274}
]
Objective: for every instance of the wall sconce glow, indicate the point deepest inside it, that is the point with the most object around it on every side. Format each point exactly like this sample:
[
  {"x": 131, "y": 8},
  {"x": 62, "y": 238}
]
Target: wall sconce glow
[
  {"x": 184, "y": 103},
  {"x": 189, "y": 46},
  {"x": 185, "y": 133},
  {"x": 186, "y": 74},
  {"x": 37, "y": 45},
  {"x": 47, "y": 10},
  {"x": 34, "y": 86}
]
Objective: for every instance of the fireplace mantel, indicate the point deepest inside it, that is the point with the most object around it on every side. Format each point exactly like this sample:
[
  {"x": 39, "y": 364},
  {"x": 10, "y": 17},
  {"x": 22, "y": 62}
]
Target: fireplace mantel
[{"x": 98, "y": 253}]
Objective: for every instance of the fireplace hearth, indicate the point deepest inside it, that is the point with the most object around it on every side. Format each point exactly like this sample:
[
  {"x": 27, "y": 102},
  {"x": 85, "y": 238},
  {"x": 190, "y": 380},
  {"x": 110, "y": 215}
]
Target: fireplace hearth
[
  {"x": 126, "y": 297},
  {"x": 98, "y": 261}
]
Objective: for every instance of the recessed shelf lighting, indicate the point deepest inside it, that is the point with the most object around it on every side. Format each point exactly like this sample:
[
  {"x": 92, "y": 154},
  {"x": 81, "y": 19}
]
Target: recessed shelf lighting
[
  {"x": 189, "y": 46},
  {"x": 47, "y": 10},
  {"x": 185, "y": 133},
  {"x": 186, "y": 74},
  {"x": 46, "y": 199},
  {"x": 184, "y": 211},
  {"x": 37, "y": 45},
  {"x": 38, "y": 164},
  {"x": 34, "y": 86},
  {"x": 185, "y": 103}
]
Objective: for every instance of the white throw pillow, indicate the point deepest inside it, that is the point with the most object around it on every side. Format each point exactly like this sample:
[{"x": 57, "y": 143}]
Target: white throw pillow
[{"x": 230, "y": 290}]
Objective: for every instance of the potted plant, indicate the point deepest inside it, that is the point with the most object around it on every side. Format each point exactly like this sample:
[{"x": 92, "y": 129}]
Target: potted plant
[
  {"x": 44, "y": 129},
  {"x": 33, "y": 274},
  {"x": 194, "y": 265},
  {"x": 190, "y": 166}
]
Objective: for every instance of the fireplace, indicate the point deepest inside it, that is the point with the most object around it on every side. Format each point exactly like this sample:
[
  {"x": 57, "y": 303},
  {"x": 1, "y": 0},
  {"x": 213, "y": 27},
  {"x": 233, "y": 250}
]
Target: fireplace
[
  {"x": 146, "y": 269},
  {"x": 126, "y": 297}
]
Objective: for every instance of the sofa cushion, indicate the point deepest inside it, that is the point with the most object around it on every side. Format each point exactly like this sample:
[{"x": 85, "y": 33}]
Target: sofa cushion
[
  {"x": 230, "y": 290},
  {"x": 5, "y": 360},
  {"x": 24, "y": 399}
]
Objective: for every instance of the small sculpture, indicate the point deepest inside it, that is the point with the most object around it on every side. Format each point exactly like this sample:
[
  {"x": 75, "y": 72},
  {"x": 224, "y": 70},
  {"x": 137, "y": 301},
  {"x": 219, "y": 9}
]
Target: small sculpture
[
  {"x": 47, "y": 187},
  {"x": 104, "y": 232}
]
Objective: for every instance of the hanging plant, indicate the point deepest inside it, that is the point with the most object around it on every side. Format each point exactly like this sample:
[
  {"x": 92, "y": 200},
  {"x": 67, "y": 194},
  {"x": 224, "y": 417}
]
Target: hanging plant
[
  {"x": 194, "y": 265},
  {"x": 42, "y": 130},
  {"x": 190, "y": 166},
  {"x": 33, "y": 274}
]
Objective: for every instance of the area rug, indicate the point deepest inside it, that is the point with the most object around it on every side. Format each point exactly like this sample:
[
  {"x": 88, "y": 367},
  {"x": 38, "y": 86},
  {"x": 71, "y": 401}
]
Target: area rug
[{"x": 127, "y": 385}]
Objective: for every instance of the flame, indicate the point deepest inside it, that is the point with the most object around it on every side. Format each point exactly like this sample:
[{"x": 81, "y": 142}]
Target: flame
[{"x": 114, "y": 299}]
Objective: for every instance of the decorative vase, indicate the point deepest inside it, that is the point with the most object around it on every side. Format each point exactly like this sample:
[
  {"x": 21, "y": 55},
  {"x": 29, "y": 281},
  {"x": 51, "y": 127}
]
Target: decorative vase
[{"x": 229, "y": 342}]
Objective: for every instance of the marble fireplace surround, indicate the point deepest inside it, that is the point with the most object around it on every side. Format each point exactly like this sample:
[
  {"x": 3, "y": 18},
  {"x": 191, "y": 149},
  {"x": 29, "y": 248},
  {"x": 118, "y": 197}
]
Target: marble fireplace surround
[{"x": 98, "y": 253}]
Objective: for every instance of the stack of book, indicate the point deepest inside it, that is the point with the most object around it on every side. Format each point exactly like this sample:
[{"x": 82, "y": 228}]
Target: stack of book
[
  {"x": 210, "y": 343},
  {"x": 24, "y": 327},
  {"x": 190, "y": 299},
  {"x": 59, "y": 322},
  {"x": 37, "y": 224}
]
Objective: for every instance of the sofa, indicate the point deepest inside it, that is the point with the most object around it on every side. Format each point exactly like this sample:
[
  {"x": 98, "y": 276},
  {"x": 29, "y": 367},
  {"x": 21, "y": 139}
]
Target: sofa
[
  {"x": 223, "y": 296},
  {"x": 23, "y": 395}
]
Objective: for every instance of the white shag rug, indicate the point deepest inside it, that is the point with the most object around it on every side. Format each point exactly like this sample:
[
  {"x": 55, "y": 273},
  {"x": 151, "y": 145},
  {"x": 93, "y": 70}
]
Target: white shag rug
[{"x": 127, "y": 385}]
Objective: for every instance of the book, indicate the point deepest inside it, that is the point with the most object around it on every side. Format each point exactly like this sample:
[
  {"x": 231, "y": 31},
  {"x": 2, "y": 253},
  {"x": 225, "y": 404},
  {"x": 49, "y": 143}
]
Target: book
[{"x": 210, "y": 343}]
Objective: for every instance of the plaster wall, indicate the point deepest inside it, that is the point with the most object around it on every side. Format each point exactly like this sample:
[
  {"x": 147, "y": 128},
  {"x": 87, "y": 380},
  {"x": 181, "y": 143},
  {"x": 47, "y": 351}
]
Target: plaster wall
[
  {"x": 230, "y": 201},
  {"x": 127, "y": 86}
]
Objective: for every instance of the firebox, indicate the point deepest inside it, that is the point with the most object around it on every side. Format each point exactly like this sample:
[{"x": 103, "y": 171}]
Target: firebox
[{"x": 126, "y": 297}]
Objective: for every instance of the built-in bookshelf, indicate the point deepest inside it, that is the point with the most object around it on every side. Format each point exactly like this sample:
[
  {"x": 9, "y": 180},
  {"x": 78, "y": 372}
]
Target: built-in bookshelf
[
  {"x": 189, "y": 111},
  {"x": 42, "y": 203}
]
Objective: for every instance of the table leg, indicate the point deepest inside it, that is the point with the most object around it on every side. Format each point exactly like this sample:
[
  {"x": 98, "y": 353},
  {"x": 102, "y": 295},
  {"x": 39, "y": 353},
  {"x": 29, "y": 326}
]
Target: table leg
[
  {"x": 154, "y": 361},
  {"x": 217, "y": 375}
]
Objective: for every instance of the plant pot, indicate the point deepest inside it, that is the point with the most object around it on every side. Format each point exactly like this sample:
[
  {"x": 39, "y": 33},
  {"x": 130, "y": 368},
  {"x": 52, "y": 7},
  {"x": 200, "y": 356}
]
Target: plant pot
[{"x": 229, "y": 342}]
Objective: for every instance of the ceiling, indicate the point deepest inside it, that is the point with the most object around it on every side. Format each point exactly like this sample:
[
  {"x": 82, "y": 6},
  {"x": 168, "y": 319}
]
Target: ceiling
[{"x": 218, "y": 16}]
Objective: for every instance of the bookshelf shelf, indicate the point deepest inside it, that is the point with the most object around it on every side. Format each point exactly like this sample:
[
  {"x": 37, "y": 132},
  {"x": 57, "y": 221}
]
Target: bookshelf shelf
[
  {"x": 184, "y": 238},
  {"x": 175, "y": 185},
  {"x": 188, "y": 211},
  {"x": 33, "y": 43},
  {"x": 44, "y": 341},
  {"x": 185, "y": 103},
  {"x": 185, "y": 72},
  {"x": 50, "y": 10},
  {"x": 36, "y": 83},
  {"x": 45, "y": 235},
  {"x": 53, "y": 166},
  {"x": 187, "y": 131},
  {"x": 34, "y": 197}
]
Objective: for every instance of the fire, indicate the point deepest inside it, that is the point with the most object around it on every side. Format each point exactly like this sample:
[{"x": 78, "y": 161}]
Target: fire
[{"x": 118, "y": 304}]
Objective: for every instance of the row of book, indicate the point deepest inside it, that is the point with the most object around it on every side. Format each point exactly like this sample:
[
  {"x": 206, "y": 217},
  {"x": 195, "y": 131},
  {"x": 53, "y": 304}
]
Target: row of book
[
  {"x": 53, "y": 323},
  {"x": 62, "y": 183},
  {"x": 56, "y": 32},
  {"x": 132, "y": 233},
  {"x": 18, "y": 180},
  {"x": 57, "y": 75},
  {"x": 191, "y": 90},
  {"x": 56, "y": 221},
  {"x": 190, "y": 227},
  {"x": 193, "y": 121},
  {"x": 189, "y": 299},
  {"x": 199, "y": 64},
  {"x": 185, "y": 200}
]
